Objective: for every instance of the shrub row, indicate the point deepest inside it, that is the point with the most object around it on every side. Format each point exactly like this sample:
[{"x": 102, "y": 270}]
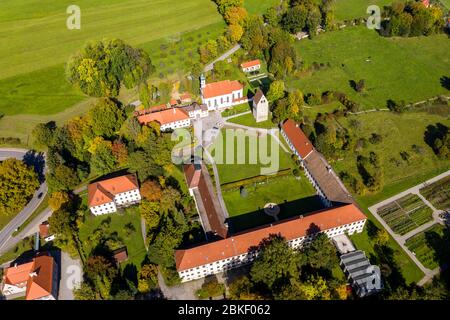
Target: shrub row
[{"x": 237, "y": 184}]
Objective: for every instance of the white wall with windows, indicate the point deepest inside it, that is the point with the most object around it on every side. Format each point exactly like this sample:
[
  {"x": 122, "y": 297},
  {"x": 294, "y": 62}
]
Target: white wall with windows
[{"x": 246, "y": 258}]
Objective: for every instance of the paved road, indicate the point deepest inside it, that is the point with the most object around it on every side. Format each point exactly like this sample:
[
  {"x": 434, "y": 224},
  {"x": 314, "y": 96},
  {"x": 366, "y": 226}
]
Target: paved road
[
  {"x": 210, "y": 66},
  {"x": 32, "y": 159},
  {"x": 429, "y": 274},
  {"x": 31, "y": 228}
]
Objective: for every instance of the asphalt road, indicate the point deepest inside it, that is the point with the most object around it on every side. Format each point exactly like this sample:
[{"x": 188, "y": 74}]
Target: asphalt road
[{"x": 33, "y": 159}]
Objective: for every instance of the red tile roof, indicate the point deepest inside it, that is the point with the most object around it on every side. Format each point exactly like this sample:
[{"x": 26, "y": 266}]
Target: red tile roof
[
  {"x": 290, "y": 229},
  {"x": 164, "y": 117},
  {"x": 249, "y": 64},
  {"x": 44, "y": 230},
  {"x": 38, "y": 275},
  {"x": 298, "y": 138},
  {"x": 120, "y": 255},
  {"x": 102, "y": 192},
  {"x": 41, "y": 284},
  {"x": 216, "y": 89}
]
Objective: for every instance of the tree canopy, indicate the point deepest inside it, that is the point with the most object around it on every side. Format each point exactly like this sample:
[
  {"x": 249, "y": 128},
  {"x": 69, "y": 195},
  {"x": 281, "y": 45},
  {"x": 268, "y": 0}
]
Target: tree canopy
[
  {"x": 102, "y": 67},
  {"x": 18, "y": 182}
]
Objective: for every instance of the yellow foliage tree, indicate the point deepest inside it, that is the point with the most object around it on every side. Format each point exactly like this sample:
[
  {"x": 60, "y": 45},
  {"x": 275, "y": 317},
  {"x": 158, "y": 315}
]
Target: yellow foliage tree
[{"x": 58, "y": 199}]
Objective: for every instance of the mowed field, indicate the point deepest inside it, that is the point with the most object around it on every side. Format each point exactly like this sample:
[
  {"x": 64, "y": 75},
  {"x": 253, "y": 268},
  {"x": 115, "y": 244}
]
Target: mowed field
[
  {"x": 352, "y": 9},
  {"x": 408, "y": 69},
  {"x": 32, "y": 80},
  {"x": 259, "y": 6}
]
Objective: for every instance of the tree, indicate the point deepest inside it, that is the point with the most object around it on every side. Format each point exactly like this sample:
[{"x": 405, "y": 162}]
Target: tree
[
  {"x": 42, "y": 135},
  {"x": 85, "y": 292},
  {"x": 106, "y": 118},
  {"x": 150, "y": 212},
  {"x": 321, "y": 253},
  {"x": 294, "y": 20},
  {"x": 224, "y": 5},
  {"x": 102, "y": 160},
  {"x": 235, "y": 32},
  {"x": 283, "y": 59},
  {"x": 276, "y": 90},
  {"x": 101, "y": 273},
  {"x": 18, "y": 182},
  {"x": 276, "y": 264},
  {"x": 255, "y": 37},
  {"x": 62, "y": 224},
  {"x": 58, "y": 200},
  {"x": 313, "y": 19},
  {"x": 271, "y": 16},
  {"x": 315, "y": 288},
  {"x": 102, "y": 67},
  {"x": 62, "y": 178},
  {"x": 442, "y": 145},
  {"x": 151, "y": 190},
  {"x": 120, "y": 152},
  {"x": 382, "y": 237},
  {"x": 147, "y": 278},
  {"x": 208, "y": 51},
  {"x": 235, "y": 15},
  {"x": 162, "y": 248}
]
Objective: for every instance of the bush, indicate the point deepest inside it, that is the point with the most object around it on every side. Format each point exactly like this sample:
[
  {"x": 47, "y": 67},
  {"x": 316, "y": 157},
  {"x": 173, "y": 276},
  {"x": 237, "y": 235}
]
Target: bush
[
  {"x": 10, "y": 140},
  {"x": 375, "y": 138},
  {"x": 313, "y": 99}
]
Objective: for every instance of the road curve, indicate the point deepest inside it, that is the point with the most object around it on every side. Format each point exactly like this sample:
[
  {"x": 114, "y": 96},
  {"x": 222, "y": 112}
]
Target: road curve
[{"x": 19, "y": 219}]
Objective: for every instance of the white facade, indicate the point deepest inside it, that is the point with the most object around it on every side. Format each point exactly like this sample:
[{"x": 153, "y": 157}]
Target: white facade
[
  {"x": 198, "y": 113},
  {"x": 9, "y": 289},
  {"x": 120, "y": 200},
  {"x": 261, "y": 110},
  {"x": 252, "y": 68},
  {"x": 225, "y": 101},
  {"x": 246, "y": 258},
  {"x": 176, "y": 124}
]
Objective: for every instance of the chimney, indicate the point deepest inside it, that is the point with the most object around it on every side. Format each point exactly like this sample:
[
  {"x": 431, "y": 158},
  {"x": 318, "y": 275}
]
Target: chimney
[
  {"x": 173, "y": 110},
  {"x": 33, "y": 274},
  {"x": 15, "y": 265}
]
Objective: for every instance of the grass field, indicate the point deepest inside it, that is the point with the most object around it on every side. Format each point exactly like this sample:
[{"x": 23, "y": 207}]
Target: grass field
[
  {"x": 294, "y": 196},
  {"x": 406, "y": 214},
  {"x": 438, "y": 193},
  {"x": 406, "y": 69},
  {"x": 134, "y": 242},
  {"x": 249, "y": 120},
  {"x": 32, "y": 81},
  {"x": 430, "y": 246},
  {"x": 399, "y": 133},
  {"x": 236, "y": 165},
  {"x": 352, "y": 9},
  {"x": 259, "y": 6}
]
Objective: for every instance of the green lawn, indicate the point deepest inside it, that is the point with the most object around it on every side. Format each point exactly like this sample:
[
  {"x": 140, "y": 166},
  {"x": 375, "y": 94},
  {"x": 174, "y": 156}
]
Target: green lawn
[
  {"x": 406, "y": 69},
  {"x": 242, "y": 166},
  {"x": 430, "y": 246},
  {"x": 134, "y": 242},
  {"x": 259, "y": 6},
  {"x": 352, "y": 9},
  {"x": 438, "y": 193},
  {"x": 236, "y": 110},
  {"x": 446, "y": 3},
  {"x": 294, "y": 196},
  {"x": 399, "y": 133},
  {"x": 25, "y": 246},
  {"x": 249, "y": 120},
  {"x": 406, "y": 214}
]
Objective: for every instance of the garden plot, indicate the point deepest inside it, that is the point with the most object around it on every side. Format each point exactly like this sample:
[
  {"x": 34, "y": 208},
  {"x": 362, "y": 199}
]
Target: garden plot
[
  {"x": 430, "y": 246},
  {"x": 438, "y": 193},
  {"x": 406, "y": 214}
]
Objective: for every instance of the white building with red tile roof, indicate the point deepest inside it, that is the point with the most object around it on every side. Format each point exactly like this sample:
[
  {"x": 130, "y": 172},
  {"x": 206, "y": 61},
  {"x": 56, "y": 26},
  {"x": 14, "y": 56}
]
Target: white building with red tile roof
[
  {"x": 37, "y": 279},
  {"x": 238, "y": 250},
  {"x": 168, "y": 119},
  {"x": 107, "y": 195},
  {"x": 223, "y": 94},
  {"x": 251, "y": 66}
]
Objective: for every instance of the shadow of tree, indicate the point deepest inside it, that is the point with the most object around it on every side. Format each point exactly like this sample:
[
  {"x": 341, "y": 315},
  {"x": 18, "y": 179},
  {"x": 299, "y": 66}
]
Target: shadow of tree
[
  {"x": 445, "y": 82},
  {"x": 434, "y": 132}
]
